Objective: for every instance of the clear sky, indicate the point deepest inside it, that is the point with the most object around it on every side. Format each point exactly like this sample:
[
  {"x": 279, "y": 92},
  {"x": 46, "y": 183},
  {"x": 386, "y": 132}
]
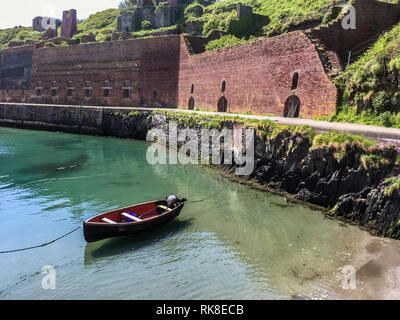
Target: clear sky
[{"x": 17, "y": 12}]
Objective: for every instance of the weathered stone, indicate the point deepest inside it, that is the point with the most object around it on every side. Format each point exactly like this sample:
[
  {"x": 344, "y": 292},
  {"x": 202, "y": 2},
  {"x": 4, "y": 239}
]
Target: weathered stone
[
  {"x": 163, "y": 16},
  {"x": 126, "y": 22},
  {"x": 88, "y": 38},
  {"x": 49, "y": 33},
  {"x": 69, "y": 23},
  {"x": 244, "y": 11}
]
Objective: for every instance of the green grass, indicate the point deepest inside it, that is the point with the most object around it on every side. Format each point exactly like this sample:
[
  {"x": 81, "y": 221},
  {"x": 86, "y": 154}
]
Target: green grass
[
  {"x": 224, "y": 41},
  {"x": 99, "y": 23},
  {"x": 372, "y": 83},
  {"x": 283, "y": 14},
  {"x": 391, "y": 185},
  {"x": 342, "y": 139},
  {"x": 349, "y": 114},
  {"x": 373, "y": 161},
  {"x": 20, "y": 34}
]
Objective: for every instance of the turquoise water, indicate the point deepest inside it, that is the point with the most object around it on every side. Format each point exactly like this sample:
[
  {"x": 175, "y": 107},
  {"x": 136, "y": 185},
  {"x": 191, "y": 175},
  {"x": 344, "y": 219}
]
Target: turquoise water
[{"x": 240, "y": 244}]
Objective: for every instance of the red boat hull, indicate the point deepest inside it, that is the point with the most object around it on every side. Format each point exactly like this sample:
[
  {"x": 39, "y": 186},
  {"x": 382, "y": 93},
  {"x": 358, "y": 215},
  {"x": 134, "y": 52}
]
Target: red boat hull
[{"x": 95, "y": 229}]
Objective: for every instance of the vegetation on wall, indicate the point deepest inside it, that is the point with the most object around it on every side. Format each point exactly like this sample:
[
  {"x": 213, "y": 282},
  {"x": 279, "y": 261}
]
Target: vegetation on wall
[{"x": 224, "y": 41}]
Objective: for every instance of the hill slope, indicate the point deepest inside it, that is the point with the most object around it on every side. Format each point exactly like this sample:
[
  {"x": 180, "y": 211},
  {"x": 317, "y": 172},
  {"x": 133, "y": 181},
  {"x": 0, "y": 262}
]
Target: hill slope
[
  {"x": 284, "y": 15},
  {"x": 371, "y": 85}
]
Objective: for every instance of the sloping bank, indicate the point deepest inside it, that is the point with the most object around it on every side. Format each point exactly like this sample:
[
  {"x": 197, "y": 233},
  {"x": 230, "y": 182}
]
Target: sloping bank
[{"x": 353, "y": 177}]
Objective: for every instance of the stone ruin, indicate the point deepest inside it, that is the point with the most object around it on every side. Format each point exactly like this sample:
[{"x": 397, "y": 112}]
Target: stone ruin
[
  {"x": 69, "y": 23},
  {"x": 159, "y": 14},
  {"x": 41, "y": 24},
  {"x": 50, "y": 25}
]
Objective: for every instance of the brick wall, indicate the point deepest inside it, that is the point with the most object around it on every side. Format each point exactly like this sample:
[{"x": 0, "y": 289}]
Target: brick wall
[
  {"x": 258, "y": 77},
  {"x": 147, "y": 68},
  {"x": 160, "y": 72},
  {"x": 15, "y": 69}
]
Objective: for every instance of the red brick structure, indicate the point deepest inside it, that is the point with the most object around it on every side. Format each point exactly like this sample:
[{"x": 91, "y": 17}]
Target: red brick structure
[
  {"x": 141, "y": 72},
  {"x": 257, "y": 77},
  {"x": 285, "y": 75},
  {"x": 69, "y": 23}
]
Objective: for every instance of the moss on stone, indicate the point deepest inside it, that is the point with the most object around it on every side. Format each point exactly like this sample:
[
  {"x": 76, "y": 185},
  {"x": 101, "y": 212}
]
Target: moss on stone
[
  {"x": 373, "y": 161},
  {"x": 391, "y": 185}
]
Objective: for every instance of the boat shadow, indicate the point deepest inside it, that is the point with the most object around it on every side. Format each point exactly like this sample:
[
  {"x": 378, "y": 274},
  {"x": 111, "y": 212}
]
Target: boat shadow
[{"x": 95, "y": 252}]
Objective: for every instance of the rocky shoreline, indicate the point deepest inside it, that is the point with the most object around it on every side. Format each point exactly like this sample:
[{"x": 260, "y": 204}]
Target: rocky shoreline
[{"x": 352, "y": 182}]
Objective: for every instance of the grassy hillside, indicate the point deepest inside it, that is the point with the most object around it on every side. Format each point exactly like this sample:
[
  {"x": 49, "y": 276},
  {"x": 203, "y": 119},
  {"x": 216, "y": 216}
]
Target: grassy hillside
[
  {"x": 283, "y": 15},
  {"x": 371, "y": 85},
  {"x": 20, "y": 34}
]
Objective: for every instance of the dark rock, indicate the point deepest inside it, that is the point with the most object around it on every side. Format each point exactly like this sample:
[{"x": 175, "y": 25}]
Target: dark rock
[{"x": 303, "y": 195}]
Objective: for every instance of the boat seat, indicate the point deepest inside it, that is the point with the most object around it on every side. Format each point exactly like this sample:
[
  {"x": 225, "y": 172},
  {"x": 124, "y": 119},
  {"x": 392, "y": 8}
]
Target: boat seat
[
  {"x": 131, "y": 217},
  {"x": 108, "y": 221},
  {"x": 165, "y": 208}
]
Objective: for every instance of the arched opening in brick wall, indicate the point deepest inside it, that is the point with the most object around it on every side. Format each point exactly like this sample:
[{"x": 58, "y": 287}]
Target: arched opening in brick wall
[
  {"x": 191, "y": 103},
  {"x": 222, "y": 105},
  {"x": 192, "y": 89},
  {"x": 292, "y": 107},
  {"x": 223, "y": 86},
  {"x": 295, "y": 81}
]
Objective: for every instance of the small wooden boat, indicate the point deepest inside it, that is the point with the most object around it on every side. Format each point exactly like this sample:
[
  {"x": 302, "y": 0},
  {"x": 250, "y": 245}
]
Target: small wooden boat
[{"x": 130, "y": 220}]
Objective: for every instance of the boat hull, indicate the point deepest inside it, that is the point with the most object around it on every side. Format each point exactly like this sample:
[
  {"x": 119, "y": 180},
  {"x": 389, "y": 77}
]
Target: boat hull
[{"x": 99, "y": 231}]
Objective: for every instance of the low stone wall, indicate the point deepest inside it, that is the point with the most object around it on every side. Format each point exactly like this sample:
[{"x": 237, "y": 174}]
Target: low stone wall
[{"x": 72, "y": 119}]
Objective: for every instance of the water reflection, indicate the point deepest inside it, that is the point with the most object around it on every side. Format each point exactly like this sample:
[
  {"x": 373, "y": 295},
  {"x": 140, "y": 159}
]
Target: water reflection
[{"x": 95, "y": 252}]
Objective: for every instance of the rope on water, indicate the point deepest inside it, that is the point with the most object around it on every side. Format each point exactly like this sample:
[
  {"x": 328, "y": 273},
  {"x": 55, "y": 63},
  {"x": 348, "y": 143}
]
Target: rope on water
[
  {"x": 68, "y": 178},
  {"x": 41, "y": 245},
  {"x": 208, "y": 197}
]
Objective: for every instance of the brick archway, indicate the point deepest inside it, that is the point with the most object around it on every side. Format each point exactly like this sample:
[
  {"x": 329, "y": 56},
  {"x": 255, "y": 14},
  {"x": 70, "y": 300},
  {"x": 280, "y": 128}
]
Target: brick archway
[
  {"x": 292, "y": 107},
  {"x": 191, "y": 103},
  {"x": 222, "y": 105}
]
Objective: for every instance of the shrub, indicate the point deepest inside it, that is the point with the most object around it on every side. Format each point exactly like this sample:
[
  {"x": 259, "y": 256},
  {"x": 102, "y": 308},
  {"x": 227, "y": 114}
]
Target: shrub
[
  {"x": 381, "y": 102},
  {"x": 194, "y": 10},
  {"x": 146, "y": 25}
]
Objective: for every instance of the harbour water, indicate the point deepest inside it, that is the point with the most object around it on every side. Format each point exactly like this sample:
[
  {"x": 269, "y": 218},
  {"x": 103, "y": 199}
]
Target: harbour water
[{"x": 239, "y": 244}]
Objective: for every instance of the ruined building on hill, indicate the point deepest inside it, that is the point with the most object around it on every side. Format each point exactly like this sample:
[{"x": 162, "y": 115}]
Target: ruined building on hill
[{"x": 286, "y": 75}]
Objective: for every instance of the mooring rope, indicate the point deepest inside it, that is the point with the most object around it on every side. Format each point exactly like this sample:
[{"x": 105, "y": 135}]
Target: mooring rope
[
  {"x": 41, "y": 245},
  {"x": 76, "y": 229},
  {"x": 208, "y": 197},
  {"x": 67, "y": 178}
]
